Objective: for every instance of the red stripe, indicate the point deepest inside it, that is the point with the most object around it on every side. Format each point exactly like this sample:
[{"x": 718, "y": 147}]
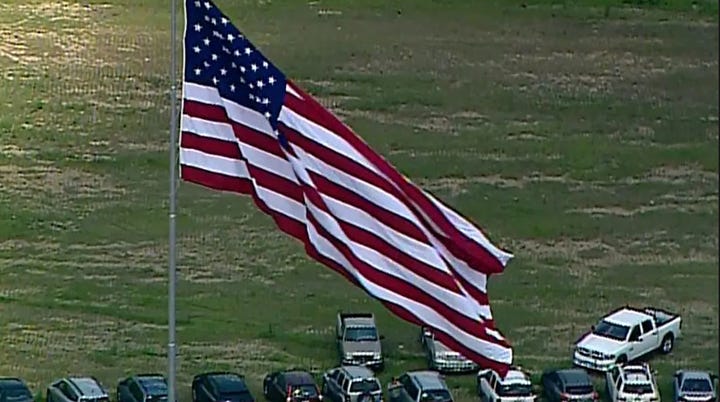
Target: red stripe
[
  {"x": 477, "y": 256},
  {"x": 205, "y": 111},
  {"x": 214, "y": 180},
  {"x": 371, "y": 240},
  {"x": 392, "y": 283},
  {"x": 359, "y": 171},
  {"x": 276, "y": 183},
  {"x": 210, "y": 145}
]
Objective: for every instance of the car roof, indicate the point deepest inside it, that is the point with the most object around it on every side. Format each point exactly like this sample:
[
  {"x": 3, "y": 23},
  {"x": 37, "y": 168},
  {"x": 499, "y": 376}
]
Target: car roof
[
  {"x": 515, "y": 376},
  {"x": 695, "y": 374},
  {"x": 627, "y": 316},
  {"x": 360, "y": 322},
  {"x": 574, "y": 377},
  {"x": 227, "y": 382},
  {"x": 11, "y": 382},
  {"x": 428, "y": 379},
  {"x": 298, "y": 377},
  {"x": 87, "y": 386},
  {"x": 358, "y": 371},
  {"x": 153, "y": 384}
]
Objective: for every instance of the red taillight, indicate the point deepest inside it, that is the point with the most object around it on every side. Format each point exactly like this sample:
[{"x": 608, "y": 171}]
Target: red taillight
[
  {"x": 564, "y": 397},
  {"x": 595, "y": 396}
]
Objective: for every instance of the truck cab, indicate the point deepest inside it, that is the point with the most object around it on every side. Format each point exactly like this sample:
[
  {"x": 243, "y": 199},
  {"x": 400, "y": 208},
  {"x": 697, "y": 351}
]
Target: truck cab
[
  {"x": 515, "y": 387},
  {"x": 358, "y": 340},
  {"x": 632, "y": 383}
]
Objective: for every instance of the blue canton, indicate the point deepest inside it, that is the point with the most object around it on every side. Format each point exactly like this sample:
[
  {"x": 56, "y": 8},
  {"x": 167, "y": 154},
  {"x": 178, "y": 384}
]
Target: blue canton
[{"x": 218, "y": 55}]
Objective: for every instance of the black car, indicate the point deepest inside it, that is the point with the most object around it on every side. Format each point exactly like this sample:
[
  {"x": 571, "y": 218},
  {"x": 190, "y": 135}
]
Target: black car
[
  {"x": 14, "y": 390},
  {"x": 220, "y": 387},
  {"x": 569, "y": 385},
  {"x": 291, "y": 386},
  {"x": 143, "y": 388}
]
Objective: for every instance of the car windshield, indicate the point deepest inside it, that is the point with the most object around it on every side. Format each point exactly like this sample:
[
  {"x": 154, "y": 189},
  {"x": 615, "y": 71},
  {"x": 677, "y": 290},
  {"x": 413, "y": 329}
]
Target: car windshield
[
  {"x": 612, "y": 331},
  {"x": 365, "y": 385},
  {"x": 436, "y": 395},
  {"x": 638, "y": 388},
  {"x": 696, "y": 385},
  {"x": 579, "y": 389},
  {"x": 515, "y": 390},
  {"x": 15, "y": 394},
  {"x": 304, "y": 391},
  {"x": 236, "y": 396},
  {"x": 359, "y": 334}
]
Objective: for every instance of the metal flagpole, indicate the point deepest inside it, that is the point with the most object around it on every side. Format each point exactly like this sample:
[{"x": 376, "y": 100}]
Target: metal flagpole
[{"x": 172, "y": 273}]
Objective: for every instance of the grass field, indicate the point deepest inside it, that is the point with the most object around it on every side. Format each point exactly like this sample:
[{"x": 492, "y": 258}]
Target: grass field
[{"x": 581, "y": 135}]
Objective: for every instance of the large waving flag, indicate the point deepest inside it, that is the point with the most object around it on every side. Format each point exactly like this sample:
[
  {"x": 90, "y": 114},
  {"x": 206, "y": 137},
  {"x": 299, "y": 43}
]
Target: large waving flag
[{"x": 248, "y": 129}]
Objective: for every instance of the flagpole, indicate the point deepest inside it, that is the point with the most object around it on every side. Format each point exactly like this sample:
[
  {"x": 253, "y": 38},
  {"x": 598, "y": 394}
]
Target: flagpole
[{"x": 172, "y": 271}]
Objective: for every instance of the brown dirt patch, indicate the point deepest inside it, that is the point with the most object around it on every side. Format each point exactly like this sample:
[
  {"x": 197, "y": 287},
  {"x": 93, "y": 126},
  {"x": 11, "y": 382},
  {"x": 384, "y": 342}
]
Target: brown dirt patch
[{"x": 28, "y": 181}]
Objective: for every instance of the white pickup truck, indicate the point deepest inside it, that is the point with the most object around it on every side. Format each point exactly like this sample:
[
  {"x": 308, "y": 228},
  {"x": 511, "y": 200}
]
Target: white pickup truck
[{"x": 625, "y": 335}]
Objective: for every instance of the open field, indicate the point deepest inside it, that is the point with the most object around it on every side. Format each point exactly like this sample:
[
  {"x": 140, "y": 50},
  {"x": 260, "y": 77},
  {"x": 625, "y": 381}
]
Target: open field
[{"x": 583, "y": 138}]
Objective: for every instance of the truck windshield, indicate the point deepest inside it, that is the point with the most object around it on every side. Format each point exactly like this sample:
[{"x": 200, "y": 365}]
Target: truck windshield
[
  {"x": 612, "y": 331},
  {"x": 15, "y": 394},
  {"x": 638, "y": 388},
  {"x": 360, "y": 334},
  {"x": 366, "y": 385},
  {"x": 515, "y": 390},
  {"x": 696, "y": 385}
]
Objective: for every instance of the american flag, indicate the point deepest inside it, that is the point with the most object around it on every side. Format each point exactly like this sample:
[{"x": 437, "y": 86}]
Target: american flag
[{"x": 248, "y": 129}]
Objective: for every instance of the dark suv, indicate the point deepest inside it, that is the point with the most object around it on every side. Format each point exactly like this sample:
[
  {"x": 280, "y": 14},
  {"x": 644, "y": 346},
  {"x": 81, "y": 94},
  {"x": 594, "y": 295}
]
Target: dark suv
[
  {"x": 143, "y": 388},
  {"x": 220, "y": 386},
  {"x": 14, "y": 390},
  {"x": 568, "y": 385},
  {"x": 420, "y": 386}
]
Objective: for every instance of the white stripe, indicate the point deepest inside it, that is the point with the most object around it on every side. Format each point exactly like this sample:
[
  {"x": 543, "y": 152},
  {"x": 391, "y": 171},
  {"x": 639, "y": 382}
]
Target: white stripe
[
  {"x": 235, "y": 111},
  {"x": 471, "y": 231},
  {"x": 424, "y": 313},
  {"x": 322, "y": 136},
  {"x": 207, "y": 128},
  {"x": 282, "y": 204},
  {"x": 267, "y": 161},
  {"x": 214, "y": 163}
]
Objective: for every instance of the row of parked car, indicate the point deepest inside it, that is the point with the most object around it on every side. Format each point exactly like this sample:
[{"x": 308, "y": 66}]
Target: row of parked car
[{"x": 611, "y": 346}]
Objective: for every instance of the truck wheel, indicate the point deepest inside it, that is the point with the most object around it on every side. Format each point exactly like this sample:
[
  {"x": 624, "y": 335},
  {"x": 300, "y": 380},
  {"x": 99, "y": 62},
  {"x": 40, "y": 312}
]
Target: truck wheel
[{"x": 667, "y": 344}]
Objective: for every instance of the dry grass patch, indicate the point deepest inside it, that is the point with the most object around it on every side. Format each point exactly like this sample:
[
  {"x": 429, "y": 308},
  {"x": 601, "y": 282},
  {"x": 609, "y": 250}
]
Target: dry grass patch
[{"x": 31, "y": 181}]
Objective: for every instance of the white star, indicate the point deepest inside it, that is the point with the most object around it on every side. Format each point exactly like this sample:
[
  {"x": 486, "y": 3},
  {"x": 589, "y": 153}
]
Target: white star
[
  {"x": 223, "y": 71},
  {"x": 253, "y": 67},
  {"x": 213, "y": 21},
  {"x": 260, "y": 84},
  {"x": 233, "y": 65},
  {"x": 197, "y": 71},
  {"x": 197, "y": 4},
  {"x": 271, "y": 80},
  {"x": 207, "y": 5},
  {"x": 214, "y": 56},
  {"x": 215, "y": 81},
  {"x": 257, "y": 99},
  {"x": 230, "y": 37},
  {"x": 206, "y": 41},
  {"x": 265, "y": 64},
  {"x": 242, "y": 80},
  {"x": 267, "y": 115},
  {"x": 251, "y": 86},
  {"x": 206, "y": 64},
  {"x": 226, "y": 50},
  {"x": 196, "y": 49},
  {"x": 242, "y": 69},
  {"x": 218, "y": 35},
  {"x": 266, "y": 101},
  {"x": 207, "y": 18},
  {"x": 248, "y": 51},
  {"x": 251, "y": 96},
  {"x": 236, "y": 53},
  {"x": 198, "y": 27},
  {"x": 232, "y": 88},
  {"x": 224, "y": 20}
]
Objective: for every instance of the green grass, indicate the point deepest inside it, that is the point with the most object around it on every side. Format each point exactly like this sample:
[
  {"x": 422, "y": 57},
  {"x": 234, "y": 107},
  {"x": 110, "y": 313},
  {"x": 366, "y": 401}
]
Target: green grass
[{"x": 582, "y": 135}]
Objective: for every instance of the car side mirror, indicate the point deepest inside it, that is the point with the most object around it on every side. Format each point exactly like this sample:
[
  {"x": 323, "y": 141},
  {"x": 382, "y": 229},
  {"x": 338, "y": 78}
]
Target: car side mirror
[
  {"x": 592, "y": 328},
  {"x": 382, "y": 337},
  {"x": 654, "y": 372},
  {"x": 714, "y": 377}
]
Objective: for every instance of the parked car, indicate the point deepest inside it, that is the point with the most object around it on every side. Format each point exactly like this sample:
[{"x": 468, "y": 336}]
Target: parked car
[
  {"x": 516, "y": 386},
  {"x": 74, "y": 389},
  {"x": 634, "y": 383},
  {"x": 220, "y": 386},
  {"x": 142, "y": 388},
  {"x": 442, "y": 358},
  {"x": 14, "y": 390},
  {"x": 568, "y": 385},
  {"x": 694, "y": 386},
  {"x": 349, "y": 383},
  {"x": 291, "y": 386},
  {"x": 358, "y": 341},
  {"x": 420, "y": 386},
  {"x": 625, "y": 335}
]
